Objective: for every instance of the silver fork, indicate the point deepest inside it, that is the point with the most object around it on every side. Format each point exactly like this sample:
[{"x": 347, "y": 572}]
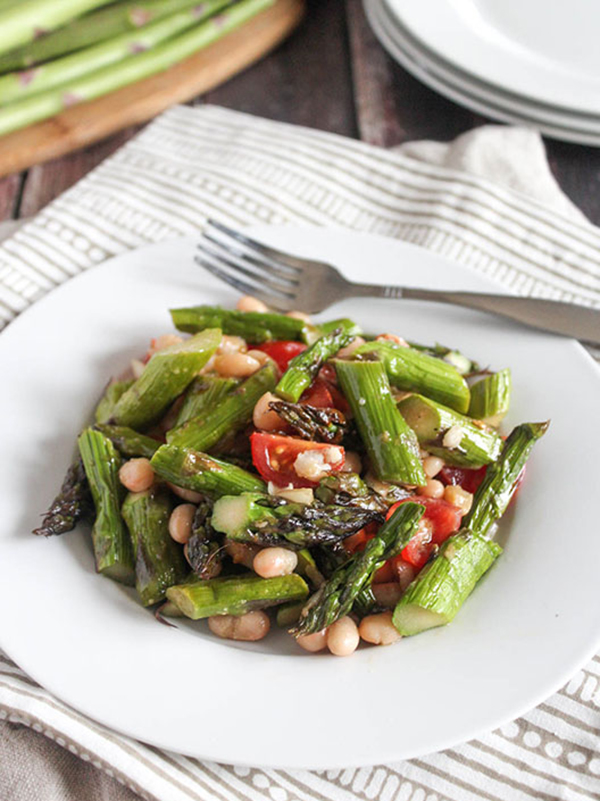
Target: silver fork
[{"x": 287, "y": 282}]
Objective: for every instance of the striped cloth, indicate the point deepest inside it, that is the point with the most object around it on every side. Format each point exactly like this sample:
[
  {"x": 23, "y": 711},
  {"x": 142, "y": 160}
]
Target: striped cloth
[{"x": 192, "y": 163}]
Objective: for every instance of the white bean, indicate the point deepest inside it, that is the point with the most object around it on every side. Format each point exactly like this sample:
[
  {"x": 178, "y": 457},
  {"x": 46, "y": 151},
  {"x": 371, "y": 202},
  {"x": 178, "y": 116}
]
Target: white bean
[
  {"x": 185, "y": 494},
  {"x": 405, "y": 572},
  {"x": 248, "y": 628},
  {"x": 392, "y": 338},
  {"x": 298, "y": 315},
  {"x": 433, "y": 489},
  {"x": 346, "y": 352},
  {"x": 261, "y": 357},
  {"x": 231, "y": 344},
  {"x": 264, "y": 418},
  {"x": 387, "y": 594},
  {"x": 162, "y": 342},
  {"x": 342, "y": 637},
  {"x": 432, "y": 466},
  {"x": 236, "y": 365},
  {"x": 313, "y": 642},
  {"x": 272, "y": 562},
  {"x": 459, "y": 497},
  {"x": 180, "y": 522},
  {"x": 303, "y": 495},
  {"x": 250, "y": 304},
  {"x": 452, "y": 437},
  {"x": 379, "y": 629},
  {"x": 137, "y": 475}
]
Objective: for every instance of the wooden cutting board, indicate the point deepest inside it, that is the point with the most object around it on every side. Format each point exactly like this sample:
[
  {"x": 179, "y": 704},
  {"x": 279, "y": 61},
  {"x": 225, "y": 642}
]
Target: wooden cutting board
[{"x": 83, "y": 124}]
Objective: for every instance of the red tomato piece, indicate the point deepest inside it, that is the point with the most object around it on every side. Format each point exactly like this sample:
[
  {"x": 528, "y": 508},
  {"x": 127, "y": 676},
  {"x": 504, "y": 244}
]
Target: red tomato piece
[
  {"x": 282, "y": 351},
  {"x": 317, "y": 395},
  {"x": 419, "y": 549},
  {"x": 444, "y": 519},
  {"x": 469, "y": 480},
  {"x": 356, "y": 542},
  {"x": 274, "y": 455}
]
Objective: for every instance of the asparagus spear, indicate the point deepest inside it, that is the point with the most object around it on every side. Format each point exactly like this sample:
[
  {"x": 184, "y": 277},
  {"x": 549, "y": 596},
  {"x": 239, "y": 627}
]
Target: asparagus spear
[
  {"x": 112, "y": 544},
  {"x": 251, "y": 518},
  {"x": 203, "y": 394},
  {"x": 390, "y": 443},
  {"x": 254, "y": 327},
  {"x": 490, "y": 398},
  {"x": 18, "y": 85},
  {"x": 310, "y": 422},
  {"x": 24, "y": 21},
  {"x": 159, "y": 561},
  {"x": 196, "y": 471},
  {"x": 438, "y": 592},
  {"x": 232, "y": 414},
  {"x": 335, "y": 598},
  {"x": 90, "y": 29},
  {"x": 303, "y": 368},
  {"x": 414, "y": 371},
  {"x": 462, "y": 363},
  {"x": 129, "y": 442},
  {"x": 348, "y": 489},
  {"x": 113, "y": 392},
  {"x": 452, "y": 436},
  {"x": 347, "y": 326},
  {"x": 236, "y": 595},
  {"x": 73, "y": 503},
  {"x": 288, "y": 614},
  {"x": 203, "y": 552},
  {"x": 132, "y": 69},
  {"x": 165, "y": 377}
]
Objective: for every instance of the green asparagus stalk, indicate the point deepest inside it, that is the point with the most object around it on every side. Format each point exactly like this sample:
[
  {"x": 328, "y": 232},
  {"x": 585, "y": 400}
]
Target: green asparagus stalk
[
  {"x": 390, "y": 443},
  {"x": 307, "y": 567},
  {"x": 159, "y": 561},
  {"x": 289, "y": 614},
  {"x": 458, "y": 360},
  {"x": 130, "y": 70},
  {"x": 310, "y": 422},
  {"x": 346, "y": 325},
  {"x": 17, "y": 86},
  {"x": 73, "y": 503},
  {"x": 107, "y": 23},
  {"x": 336, "y": 597},
  {"x": 254, "y": 327},
  {"x": 166, "y": 376},
  {"x": 204, "y": 552},
  {"x": 233, "y": 413},
  {"x": 129, "y": 442},
  {"x": 23, "y": 22},
  {"x": 106, "y": 406},
  {"x": 201, "y": 473},
  {"x": 303, "y": 369},
  {"x": 203, "y": 394},
  {"x": 442, "y": 587},
  {"x": 496, "y": 490},
  {"x": 414, "y": 371},
  {"x": 112, "y": 544},
  {"x": 490, "y": 398},
  {"x": 236, "y": 595},
  {"x": 438, "y": 592},
  {"x": 450, "y": 435}
]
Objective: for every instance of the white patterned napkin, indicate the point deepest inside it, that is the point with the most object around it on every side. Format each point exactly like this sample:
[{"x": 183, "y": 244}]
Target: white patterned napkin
[{"x": 487, "y": 200}]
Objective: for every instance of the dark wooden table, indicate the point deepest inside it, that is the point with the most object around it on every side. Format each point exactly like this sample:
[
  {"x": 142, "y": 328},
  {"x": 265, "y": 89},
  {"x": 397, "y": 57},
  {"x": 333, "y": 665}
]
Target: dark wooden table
[{"x": 331, "y": 74}]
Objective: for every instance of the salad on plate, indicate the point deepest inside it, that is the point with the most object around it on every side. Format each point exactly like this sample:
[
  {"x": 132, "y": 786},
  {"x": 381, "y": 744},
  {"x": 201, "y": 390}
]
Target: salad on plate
[{"x": 265, "y": 468}]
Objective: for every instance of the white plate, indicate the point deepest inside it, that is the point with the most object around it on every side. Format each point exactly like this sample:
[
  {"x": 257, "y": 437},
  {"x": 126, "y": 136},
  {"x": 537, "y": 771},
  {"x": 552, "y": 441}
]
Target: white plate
[
  {"x": 88, "y": 641},
  {"x": 476, "y": 95},
  {"x": 547, "y": 54}
]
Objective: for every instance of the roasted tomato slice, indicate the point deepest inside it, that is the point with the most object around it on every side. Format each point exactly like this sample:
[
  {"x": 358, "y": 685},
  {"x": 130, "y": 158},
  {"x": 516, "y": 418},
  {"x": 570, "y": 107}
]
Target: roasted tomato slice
[
  {"x": 443, "y": 518},
  {"x": 318, "y": 395},
  {"x": 469, "y": 480},
  {"x": 287, "y": 460},
  {"x": 282, "y": 351}
]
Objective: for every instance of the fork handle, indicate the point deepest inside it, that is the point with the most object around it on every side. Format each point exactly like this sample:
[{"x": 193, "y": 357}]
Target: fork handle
[{"x": 569, "y": 319}]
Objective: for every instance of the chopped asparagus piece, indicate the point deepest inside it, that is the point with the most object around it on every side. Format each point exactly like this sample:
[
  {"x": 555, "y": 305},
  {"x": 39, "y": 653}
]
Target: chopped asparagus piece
[
  {"x": 448, "y": 434},
  {"x": 307, "y": 567},
  {"x": 303, "y": 368},
  {"x": 442, "y": 587},
  {"x": 490, "y": 398},
  {"x": 236, "y": 595},
  {"x": 159, "y": 561},
  {"x": 288, "y": 614},
  {"x": 233, "y": 413},
  {"x": 495, "y": 491},
  {"x": 166, "y": 376},
  {"x": 104, "y": 410},
  {"x": 392, "y": 446},
  {"x": 203, "y": 395},
  {"x": 73, "y": 503},
  {"x": 346, "y": 325},
  {"x": 337, "y": 596},
  {"x": 204, "y": 553},
  {"x": 254, "y": 327},
  {"x": 348, "y": 489},
  {"x": 129, "y": 442},
  {"x": 310, "y": 422},
  {"x": 112, "y": 544},
  {"x": 414, "y": 371},
  {"x": 462, "y": 363},
  {"x": 199, "y": 472}
]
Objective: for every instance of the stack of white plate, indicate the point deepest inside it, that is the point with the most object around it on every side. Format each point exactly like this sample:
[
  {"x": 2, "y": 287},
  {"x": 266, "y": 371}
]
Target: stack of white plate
[{"x": 530, "y": 62}]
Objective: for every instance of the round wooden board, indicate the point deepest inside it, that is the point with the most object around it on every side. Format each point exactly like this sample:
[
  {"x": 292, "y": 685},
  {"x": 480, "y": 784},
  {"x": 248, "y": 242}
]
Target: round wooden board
[{"x": 89, "y": 122}]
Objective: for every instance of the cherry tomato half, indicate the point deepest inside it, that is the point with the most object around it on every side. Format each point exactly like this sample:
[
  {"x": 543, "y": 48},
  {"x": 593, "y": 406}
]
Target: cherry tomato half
[
  {"x": 274, "y": 455},
  {"x": 282, "y": 351},
  {"x": 444, "y": 518}
]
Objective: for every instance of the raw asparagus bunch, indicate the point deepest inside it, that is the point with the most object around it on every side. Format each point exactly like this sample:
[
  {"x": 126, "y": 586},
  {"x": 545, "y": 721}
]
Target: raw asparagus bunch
[
  {"x": 132, "y": 69},
  {"x": 18, "y": 86},
  {"x": 439, "y": 591},
  {"x": 337, "y": 596},
  {"x": 98, "y": 26},
  {"x": 73, "y": 503}
]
